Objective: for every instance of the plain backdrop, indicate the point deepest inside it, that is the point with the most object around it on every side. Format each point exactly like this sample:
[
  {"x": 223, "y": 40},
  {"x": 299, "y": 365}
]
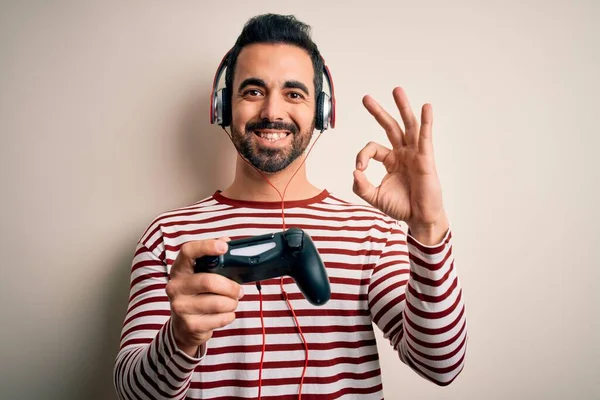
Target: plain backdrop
[{"x": 103, "y": 124}]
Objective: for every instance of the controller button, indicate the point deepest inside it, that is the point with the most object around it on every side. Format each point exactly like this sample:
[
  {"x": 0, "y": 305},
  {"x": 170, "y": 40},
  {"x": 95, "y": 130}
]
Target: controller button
[{"x": 294, "y": 241}]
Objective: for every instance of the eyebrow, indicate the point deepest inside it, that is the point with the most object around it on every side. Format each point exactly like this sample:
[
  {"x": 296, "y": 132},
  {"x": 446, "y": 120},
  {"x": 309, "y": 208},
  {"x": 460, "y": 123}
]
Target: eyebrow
[
  {"x": 260, "y": 83},
  {"x": 296, "y": 85},
  {"x": 252, "y": 82}
]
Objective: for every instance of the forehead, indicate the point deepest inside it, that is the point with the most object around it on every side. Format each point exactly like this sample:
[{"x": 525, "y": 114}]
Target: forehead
[{"x": 274, "y": 64}]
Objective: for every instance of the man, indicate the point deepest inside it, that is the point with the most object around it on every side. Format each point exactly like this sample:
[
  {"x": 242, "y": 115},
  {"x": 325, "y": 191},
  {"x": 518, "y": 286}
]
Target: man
[{"x": 203, "y": 336}]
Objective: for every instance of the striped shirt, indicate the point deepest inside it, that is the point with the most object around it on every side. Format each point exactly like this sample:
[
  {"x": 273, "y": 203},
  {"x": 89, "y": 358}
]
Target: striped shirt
[{"x": 378, "y": 274}]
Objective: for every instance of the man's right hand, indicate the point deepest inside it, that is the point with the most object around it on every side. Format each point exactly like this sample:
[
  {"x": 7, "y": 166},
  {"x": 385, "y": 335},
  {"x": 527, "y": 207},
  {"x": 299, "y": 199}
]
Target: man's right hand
[{"x": 200, "y": 302}]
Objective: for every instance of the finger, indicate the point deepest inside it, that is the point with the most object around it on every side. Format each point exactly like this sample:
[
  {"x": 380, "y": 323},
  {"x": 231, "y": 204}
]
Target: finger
[
  {"x": 363, "y": 188},
  {"x": 199, "y": 324},
  {"x": 184, "y": 263},
  {"x": 386, "y": 121},
  {"x": 411, "y": 125},
  {"x": 371, "y": 150},
  {"x": 203, "y": 304},
  {"x": 209, "y": 283},
  {"x": 426, "y": 134}
]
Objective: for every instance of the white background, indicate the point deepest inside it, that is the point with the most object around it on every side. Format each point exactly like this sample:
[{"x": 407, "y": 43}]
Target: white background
[{"x": 103, "y": 124}]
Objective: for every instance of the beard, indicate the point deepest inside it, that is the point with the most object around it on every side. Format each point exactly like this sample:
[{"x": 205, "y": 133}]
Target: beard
[{"x": 267, "y": 159}]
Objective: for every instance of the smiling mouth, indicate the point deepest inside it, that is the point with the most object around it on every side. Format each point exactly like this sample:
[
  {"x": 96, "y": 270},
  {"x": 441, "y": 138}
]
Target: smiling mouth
[{"x": 271, "y": 136}]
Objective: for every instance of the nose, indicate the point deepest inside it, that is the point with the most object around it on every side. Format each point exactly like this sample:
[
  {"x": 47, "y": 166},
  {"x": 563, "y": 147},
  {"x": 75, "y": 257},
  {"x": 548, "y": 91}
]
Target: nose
[{"x": 273, "y": 108}]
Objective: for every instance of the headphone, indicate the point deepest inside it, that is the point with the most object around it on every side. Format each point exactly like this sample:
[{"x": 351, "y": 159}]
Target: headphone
[{"x": 220, "y": 107}]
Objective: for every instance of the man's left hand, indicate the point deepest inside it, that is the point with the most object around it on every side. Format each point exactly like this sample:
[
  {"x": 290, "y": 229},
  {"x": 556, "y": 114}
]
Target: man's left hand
[{"x": 411, "y": 190}]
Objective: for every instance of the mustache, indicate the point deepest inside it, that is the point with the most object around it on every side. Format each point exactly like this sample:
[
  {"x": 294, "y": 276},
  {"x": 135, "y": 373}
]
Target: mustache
[{"x": 277, "y": 125}]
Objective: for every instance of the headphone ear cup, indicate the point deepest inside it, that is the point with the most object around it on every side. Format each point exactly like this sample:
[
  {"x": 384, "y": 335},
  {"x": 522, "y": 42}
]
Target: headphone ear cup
[
  {"x": 226, "y": 107},
  {"x": 319, "y": 117}
]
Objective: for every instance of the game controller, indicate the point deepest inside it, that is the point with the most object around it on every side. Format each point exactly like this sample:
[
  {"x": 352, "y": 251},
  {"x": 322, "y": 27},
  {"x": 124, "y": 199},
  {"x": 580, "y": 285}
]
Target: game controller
[{"x": 257, "y": 258}]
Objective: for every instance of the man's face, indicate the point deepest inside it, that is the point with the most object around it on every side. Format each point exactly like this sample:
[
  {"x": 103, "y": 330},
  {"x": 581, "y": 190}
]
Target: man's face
[{"x": 273, "y": 104}]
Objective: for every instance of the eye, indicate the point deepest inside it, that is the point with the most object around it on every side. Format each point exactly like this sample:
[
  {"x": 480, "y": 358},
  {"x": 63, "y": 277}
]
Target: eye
[
  {"x": 252, "y": 93},
  {"x": 295, "y": 96}
]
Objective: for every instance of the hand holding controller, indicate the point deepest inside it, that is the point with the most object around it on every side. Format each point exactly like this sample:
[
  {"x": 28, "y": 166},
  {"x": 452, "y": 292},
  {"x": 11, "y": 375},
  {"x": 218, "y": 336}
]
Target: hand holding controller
[{"x": 290, "y": 253}]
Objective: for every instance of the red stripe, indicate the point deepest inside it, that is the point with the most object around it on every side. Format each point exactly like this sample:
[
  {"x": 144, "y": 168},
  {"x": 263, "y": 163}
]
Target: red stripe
[
  {"x": 221, "y": 367},
  {"x": 429, "y": 250},
  {"x": 332, "y": 197},
  {"x": 159, "y": 286},
  {"x": 153, "y": 246},
  {"x": 395, "y": 321},
  {"x": 432, "y": 282},
  {"x": 315, "y": 380},
  {"x": 436, "y": 345},
  {"x": 395, "y": 243},
  {"x": 310, "y": 396},
  {"x": 439, "y": 370},
  {"x": 311, "y": 312},
  {"x": 272, "y": 227},
  {"x": 442, "y": 357},
  {"x": 260, "y": 215},
  {"x": 147, "y": 263},
  {"x": 361, "y": 252},
  {"x": 270, "y": 204},
  {"x": 348, "y": 266},
  {"x": 334, "y": 280},
  {"x": 432, "y": 267},
  {"x": 395, "y": 285},
  {"x": 212, "y": 351},
  {"x": 392, "y": 303},
  {"x": 342, "y": 209},
  {"x": 166, "y": 364},
  {"x": 155, "y": 299},
  {"x": 431, "y": 315},
  {"x": 170, "y": 349},
  {"x": 433, "y": 299},
  {"x": 388, "y": 253},
  {"x": 183, "y": 212},
  {"x": 344, "y": 239},
  {"x": 300, "y": 296},
  {"x": 434, "y": 331},
  {"x": 147, "y": 236},
  {"x": 410, "y": 362},
  {"x": 144, "y": 277},
  {"x": 141, "y": 327},
  {"x": 393, "y": 338},
  {"x": 140, "y": 250},
  {"x": 386, "y": 278},
  {"x": 157, "y": 373},
  {"x": 292, "y": 329},
  {"x": 136, "y": 341}
]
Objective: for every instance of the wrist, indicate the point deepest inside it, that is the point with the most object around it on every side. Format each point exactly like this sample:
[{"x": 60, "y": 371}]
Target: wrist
[
  {"x": 191, "y": 349},
  {"x": 432, "y": 233}
]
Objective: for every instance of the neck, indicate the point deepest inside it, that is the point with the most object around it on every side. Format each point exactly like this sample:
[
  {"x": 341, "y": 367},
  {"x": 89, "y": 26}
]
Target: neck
[{"x": 250, "y": 185}]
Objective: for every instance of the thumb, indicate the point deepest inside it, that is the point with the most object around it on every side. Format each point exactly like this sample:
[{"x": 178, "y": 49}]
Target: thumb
[{"x": 363, "y": 188}]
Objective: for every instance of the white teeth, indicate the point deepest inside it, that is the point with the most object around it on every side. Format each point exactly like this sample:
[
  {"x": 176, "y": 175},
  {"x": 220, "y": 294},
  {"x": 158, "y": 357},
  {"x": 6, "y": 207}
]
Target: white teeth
[{"x": 272, "y": 137}]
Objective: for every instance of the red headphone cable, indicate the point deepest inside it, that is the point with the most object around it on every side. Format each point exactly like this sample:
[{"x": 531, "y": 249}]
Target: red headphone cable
[{"x": 283, "y": 292}]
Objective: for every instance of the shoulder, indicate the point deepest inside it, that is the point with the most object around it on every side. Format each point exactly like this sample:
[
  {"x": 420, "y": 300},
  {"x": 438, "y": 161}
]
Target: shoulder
[
  {"x": 337, "y": 204},
  {"x": 182, "y": 216}
]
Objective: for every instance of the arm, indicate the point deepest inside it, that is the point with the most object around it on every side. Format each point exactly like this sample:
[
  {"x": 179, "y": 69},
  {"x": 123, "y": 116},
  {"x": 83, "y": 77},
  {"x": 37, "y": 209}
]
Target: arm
[
  {"x": 416, "y": 300},
  {"x": 149, "y": 365}
]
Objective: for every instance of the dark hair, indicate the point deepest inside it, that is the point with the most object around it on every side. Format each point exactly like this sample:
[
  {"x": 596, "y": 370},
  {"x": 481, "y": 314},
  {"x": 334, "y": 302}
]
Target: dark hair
[{"x": 274, "y": 28}]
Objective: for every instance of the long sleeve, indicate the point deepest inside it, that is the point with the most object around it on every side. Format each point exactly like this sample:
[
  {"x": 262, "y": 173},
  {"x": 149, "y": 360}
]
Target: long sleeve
[
  {"x": 416, "y": 300},
  {"x": 149, "y": 365}
]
